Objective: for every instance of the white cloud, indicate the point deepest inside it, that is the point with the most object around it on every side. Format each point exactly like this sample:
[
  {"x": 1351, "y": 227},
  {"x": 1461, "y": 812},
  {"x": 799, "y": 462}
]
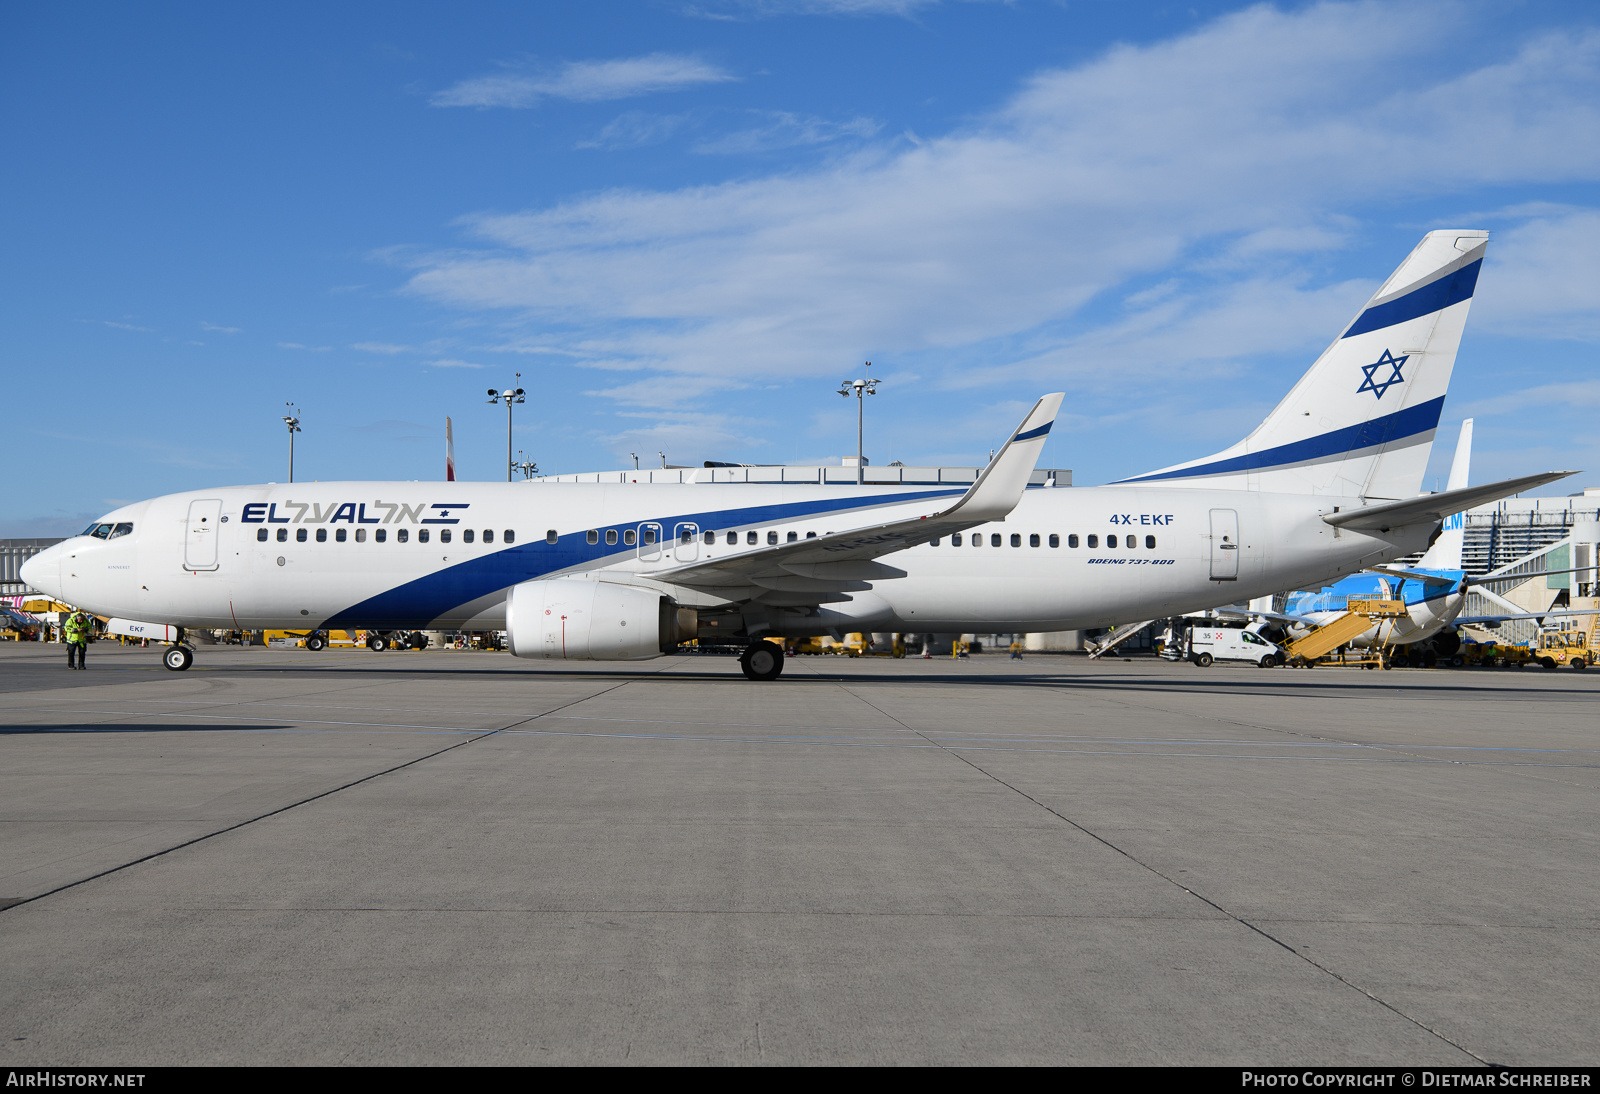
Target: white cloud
[
  {"x": 1543, "y": 278},
  {"x": 585, "y": 81},
  {"x": 1220, "y": 158},
  {"x": 452, "y": 363},
  {"x": 219, "y": 330},
  {"x": 636, "y": 129},
  {"x": 309, "y": 349},
  {"x": 781, "y": 129},
  {"x": 732, "y": 9},
  {"x": 380, "y": 347}
]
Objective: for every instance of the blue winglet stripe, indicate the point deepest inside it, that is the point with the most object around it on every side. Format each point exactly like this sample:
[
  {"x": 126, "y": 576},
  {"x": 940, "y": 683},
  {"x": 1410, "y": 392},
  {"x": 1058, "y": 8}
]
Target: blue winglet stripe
[
  {"x": 1432, "y": 297},
  {"x": 1032, "y": 433},
  {"x": 1337, "y": 444}
]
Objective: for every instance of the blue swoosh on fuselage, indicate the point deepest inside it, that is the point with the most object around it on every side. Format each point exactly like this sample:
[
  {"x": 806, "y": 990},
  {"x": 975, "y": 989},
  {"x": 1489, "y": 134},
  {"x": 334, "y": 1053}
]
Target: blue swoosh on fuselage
[{"x": 417, "y": 603}]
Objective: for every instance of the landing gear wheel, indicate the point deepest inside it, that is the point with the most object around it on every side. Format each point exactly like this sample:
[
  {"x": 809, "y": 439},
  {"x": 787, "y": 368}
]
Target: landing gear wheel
[
  {"x": 178, "y": 658},
  {"x": 1203, "y": 660},
  {"x": 377, "y": 643},
  {"x": 762, "y": 661},
  {"x": 315, "y": 642}
]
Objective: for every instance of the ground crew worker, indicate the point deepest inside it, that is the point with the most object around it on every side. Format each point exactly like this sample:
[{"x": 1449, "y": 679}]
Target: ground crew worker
[{"x": 77, "y": 629}]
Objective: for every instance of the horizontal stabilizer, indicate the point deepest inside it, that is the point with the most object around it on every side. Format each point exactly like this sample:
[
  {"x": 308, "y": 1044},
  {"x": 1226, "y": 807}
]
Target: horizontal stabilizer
[{"x": 1430, "y": 508}]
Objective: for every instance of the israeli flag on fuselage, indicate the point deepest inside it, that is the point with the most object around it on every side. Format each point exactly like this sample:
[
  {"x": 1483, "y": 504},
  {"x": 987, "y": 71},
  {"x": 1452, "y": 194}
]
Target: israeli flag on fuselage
[{"x": 1360, "y": 422}]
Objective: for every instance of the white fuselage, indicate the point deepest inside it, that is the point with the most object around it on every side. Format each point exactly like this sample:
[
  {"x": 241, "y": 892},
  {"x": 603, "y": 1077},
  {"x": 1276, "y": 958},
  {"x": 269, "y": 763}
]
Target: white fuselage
[{"x": 197, "y": 560}]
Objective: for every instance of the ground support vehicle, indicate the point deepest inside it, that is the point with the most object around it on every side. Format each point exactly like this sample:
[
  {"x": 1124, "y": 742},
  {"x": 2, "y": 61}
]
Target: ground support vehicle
[
  {"x": 1330, "y": 643},
  {"x": 1556, "y": 648},
  {"x": 1204, "y": 645}
]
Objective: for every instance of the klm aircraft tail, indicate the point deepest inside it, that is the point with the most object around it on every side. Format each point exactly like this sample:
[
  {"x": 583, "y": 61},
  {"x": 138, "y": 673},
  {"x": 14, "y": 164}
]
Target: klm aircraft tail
[
  {"x": 1445, "y": 554},
  {"x": 1360, "y": 423}
]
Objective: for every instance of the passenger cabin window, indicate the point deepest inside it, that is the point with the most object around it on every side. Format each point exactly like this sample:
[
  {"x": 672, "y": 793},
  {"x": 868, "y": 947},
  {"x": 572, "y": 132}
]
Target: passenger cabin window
[
  {"x": 380, "y": 534},
  {"x": 511, "y": 537},
  {"x": 488, "y": 535},
  {"x": 361, "y": 535},
  {"x": 591, "y": 536},
  {"x": 400, "y": 535},
  {"x": 1016, "y": 540},
  {"x": 444, "y": 535},
  {"x": 955, "y": 539},
  {"x": 1150, "y": 542},
  {"x": 1094, "y": 541},
  {"x": 711, "y": 539},
  {"x": 793, "y": 536},
  {"x": 733, "y": 539},
  {"x": 1133, "y": 542},
  {"x": 750, "y": 538},
  {"x": 1033, "y": 540},
  {"x": 649, "y": 535},
  {"x": 261, "y": 535},
  {"x": 299, "y": 535},
  {"x": 340, "y": 534},
  {"x": 611, "y": 537},
  {"x": 772, "y": 537},
  {"x": 1111, "y": 541},
  {"x": 629, "y": 537},
  {"x": 466, "y": 535},
  {"x": 933, "y": 543},
  {"x": 1055, "y": 540},
  {"x": 811, "y": 535},
  {"x": 551, "y": 537},
  {"x": 322, "y": 536},
  {"x": 685, "y": 536},
  {"x": 994, "y": 539},
  {"x": 283, "y": 535},
  {"x": 422, "y": 535}
]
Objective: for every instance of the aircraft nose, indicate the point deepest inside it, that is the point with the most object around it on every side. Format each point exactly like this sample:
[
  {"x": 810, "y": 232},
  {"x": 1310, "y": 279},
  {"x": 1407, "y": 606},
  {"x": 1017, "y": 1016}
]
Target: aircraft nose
[{"x": 42, "y": 571}]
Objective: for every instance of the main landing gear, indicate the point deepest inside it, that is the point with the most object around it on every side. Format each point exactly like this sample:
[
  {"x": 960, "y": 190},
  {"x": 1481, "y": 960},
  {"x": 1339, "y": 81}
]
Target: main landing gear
[
  {"x": 178, "y": 658},
  {"x": 762, "y": 661}
]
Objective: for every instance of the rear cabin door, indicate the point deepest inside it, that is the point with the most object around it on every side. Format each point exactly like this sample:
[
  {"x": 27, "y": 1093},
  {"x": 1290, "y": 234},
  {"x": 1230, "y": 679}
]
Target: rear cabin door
[
  {"x": 1224, "y": 545},
  {"x": 686, "y": 547},
  {"x": 200, "y": 538}
]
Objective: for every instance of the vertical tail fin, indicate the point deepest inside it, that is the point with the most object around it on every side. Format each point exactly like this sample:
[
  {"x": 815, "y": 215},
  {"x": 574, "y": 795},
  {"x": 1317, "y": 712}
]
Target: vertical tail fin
[
  {"x": 1445, "y": 554},
  {"x": 449, "y": 452},
  {"x": 1360, "y": 422}
]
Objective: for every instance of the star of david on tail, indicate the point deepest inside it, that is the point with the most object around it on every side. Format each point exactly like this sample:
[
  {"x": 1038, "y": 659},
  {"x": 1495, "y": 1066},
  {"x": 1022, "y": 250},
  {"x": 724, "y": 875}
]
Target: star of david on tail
[{"x": 1378, "y": 387}]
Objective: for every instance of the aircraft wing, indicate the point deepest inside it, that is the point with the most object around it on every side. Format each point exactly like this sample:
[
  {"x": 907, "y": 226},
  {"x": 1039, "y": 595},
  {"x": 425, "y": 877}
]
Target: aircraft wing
[
  {"x": 842, "y": 561},
  {"x": 1435, "y": 507}
]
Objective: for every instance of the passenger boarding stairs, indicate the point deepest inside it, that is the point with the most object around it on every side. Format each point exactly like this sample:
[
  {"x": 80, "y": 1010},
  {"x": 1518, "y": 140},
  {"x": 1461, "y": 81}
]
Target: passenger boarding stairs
[{"x": 1341, "y": 630}]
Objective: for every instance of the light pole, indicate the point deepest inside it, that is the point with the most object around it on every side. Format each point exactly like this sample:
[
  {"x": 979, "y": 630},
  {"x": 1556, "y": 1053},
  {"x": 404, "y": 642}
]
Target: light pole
[
  {"x": 528, "y": 468},
  {"x": 511, "y": 396},
  {"x": 292, "y": 420},
  {"x": 864, "y": 386}
]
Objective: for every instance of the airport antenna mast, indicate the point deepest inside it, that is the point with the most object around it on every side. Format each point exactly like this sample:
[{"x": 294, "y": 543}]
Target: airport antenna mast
[
  {"x": 864, "y": 386},
  {"x": 512, "y": 396},
  {"x": 292, "y": 420}
]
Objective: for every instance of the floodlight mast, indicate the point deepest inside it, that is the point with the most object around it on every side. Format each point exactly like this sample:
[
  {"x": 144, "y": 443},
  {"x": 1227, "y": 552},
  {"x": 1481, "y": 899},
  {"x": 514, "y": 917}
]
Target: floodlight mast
[
  {"x": 868, "y": 386},
  {"x": 292, "y": 420},
  {"x": 512, "y": 396}
]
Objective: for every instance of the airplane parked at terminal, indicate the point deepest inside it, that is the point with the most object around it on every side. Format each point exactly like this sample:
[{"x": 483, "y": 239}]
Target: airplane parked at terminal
[{"x": 1327, "y": 484}]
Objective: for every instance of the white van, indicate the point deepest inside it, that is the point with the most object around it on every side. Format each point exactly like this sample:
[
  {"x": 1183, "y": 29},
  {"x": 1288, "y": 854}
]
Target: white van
[{"x": 1203, "y": 645}]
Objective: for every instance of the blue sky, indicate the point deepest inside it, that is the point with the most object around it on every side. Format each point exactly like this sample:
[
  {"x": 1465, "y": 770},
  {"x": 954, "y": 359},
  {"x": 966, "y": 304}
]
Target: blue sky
[{"x": 685, "y": 222}]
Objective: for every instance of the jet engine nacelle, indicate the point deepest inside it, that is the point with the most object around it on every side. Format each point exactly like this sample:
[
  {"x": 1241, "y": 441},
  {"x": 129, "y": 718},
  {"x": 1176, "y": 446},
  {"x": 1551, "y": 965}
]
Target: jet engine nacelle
[{"x": 575, "y": 619}]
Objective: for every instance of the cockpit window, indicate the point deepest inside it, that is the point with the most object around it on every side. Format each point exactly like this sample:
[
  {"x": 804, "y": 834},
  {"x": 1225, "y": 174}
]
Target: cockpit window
[
  {"x": 123, "y": 529},
  {"x": 100, "y": 531}
]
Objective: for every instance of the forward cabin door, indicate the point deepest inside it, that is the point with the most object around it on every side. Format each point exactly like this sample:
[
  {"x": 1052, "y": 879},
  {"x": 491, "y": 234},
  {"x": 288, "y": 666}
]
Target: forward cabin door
[
  {"x": 1224, "y": 545},
  {"x": 200, "y": 538}
]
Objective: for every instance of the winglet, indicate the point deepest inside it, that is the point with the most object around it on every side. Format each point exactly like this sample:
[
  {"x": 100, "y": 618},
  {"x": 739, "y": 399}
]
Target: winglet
[{"x": 1000, "y": 487}]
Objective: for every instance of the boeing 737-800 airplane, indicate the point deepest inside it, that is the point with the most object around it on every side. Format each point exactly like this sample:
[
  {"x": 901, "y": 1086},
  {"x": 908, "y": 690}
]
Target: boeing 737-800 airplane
[{"x": 1327, "y": 484}]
